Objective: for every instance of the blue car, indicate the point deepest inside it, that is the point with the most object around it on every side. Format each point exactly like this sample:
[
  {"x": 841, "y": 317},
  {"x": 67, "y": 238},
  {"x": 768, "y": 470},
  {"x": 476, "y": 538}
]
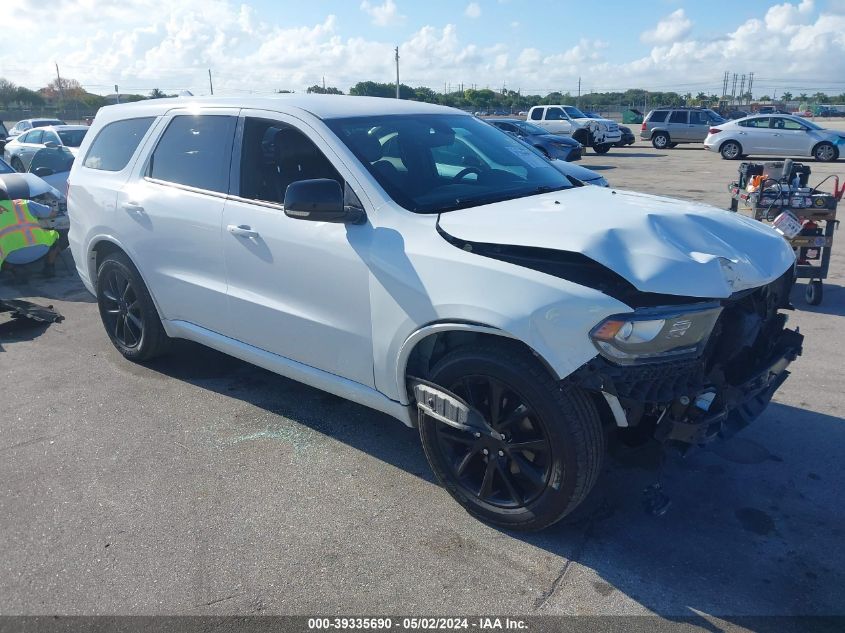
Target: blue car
[{"x": 553, "y": 146}]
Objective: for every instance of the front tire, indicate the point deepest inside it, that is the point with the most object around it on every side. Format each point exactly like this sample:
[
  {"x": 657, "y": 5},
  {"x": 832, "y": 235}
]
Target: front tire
[
  {"x": 551, "y": 450},
  {"x": 604, "y": 148},
  {"x": 825, "y": 152},
  {"x": 731, "y": 150},
  {"x": 127, "y": 310}
]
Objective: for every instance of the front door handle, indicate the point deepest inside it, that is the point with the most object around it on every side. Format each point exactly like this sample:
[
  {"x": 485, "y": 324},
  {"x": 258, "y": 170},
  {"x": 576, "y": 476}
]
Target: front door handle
[
  {"x": 241, "y": 230},
  {"x": 133, "y": 207}
]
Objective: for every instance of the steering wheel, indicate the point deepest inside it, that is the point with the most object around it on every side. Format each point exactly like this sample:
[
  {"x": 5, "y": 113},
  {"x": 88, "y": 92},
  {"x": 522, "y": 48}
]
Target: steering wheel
[{"x": 465, "y": 172}]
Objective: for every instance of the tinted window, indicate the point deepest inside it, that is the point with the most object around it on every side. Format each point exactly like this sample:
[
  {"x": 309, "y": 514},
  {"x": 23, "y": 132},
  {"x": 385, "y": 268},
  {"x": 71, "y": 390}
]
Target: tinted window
[
  {"x": 537, "y": 114},
  {"x": 195, "y": 151},
  {"x": 758, "y": 123},
  {"x": 697, "y": 117},
  {"x": 274, "y": 155},
  {"x": 780, "y": 123},
  {"x": 116, "y": 143},
  {"x": 46, "y": 122},
  {"x": 72, "y": 138},
  {"x": 59, "y": 159},
  {"x": 5, "y": 168},
  {"x": 555, "y": 114},
  {"x": 678, "y": 116},
  {"x": 50, "y": 136},
  {"x": 437, "y": 163},
  {"x": 658, "y": 116}
]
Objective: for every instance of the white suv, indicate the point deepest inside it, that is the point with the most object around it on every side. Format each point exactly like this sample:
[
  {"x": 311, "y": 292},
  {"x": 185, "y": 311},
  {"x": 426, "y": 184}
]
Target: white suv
[{"x": 416, "y": 260}]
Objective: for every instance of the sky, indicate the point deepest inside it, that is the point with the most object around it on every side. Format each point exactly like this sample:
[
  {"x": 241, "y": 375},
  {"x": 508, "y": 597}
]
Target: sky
[{"x": 535, "y": 46}]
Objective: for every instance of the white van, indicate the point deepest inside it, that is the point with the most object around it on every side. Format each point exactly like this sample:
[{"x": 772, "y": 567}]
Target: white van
[{"x": 416, "y": 260}]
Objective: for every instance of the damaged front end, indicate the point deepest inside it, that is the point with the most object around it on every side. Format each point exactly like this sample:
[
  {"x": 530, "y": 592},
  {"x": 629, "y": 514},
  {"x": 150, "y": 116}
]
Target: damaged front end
[{"x": 689, "y": 374}]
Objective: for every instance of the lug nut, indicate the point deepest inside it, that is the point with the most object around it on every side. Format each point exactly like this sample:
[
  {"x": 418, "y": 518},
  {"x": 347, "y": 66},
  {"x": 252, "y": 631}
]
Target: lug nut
[
  {"x": 501, "y": 453},
  {"x": 478, "y": 435},
  {"x": 485, "y": 451},
  {"x": 684, "y": 400}
]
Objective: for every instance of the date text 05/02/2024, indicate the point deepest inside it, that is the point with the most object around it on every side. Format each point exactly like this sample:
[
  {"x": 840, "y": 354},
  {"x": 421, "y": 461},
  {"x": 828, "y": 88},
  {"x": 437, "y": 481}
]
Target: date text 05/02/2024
[{"x": 415, "y": 624}]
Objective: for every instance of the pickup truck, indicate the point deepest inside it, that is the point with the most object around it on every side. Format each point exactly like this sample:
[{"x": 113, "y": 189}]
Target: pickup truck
[{"x": 595, "y": 132}]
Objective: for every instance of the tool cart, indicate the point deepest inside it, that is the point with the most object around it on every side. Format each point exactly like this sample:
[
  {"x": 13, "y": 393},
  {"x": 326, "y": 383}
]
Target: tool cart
[{"x": 778, "y": 193}]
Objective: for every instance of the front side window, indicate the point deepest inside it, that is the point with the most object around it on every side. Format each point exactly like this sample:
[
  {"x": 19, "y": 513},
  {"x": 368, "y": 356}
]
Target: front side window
[
  {"x": 555, "y": 114},
  {"x": 782, "y": 123},
  {"x": 72, "y": 138},
  {"x": 678, "y": 116},
  {"x": 274, "y": 155},
  {"x": 195, "y": 151},
  {"x": 50, "y": 136},
  {"x": 697, "y": 117},
  {"x": 440, "y": 162},
  {"x": 116, "y": 143}
]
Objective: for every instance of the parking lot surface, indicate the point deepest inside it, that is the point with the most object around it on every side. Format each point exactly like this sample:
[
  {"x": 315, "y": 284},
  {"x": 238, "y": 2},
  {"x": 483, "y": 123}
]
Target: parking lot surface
[{"x": 199, "y": 484}]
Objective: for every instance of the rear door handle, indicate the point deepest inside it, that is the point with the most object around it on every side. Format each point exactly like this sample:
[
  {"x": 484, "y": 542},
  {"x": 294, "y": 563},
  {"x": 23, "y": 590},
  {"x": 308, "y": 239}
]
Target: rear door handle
[
  {"x": 241, "y": 230},
  {"x": 132, "y": 206}
]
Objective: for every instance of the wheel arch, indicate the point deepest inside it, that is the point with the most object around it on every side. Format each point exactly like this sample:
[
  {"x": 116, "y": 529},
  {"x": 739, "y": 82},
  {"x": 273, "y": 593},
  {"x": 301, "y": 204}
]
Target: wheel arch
[
  {"x": 422, "y": 349},
  {"x": 731, "y": 140},
  {"x": 835, "y": 149}
]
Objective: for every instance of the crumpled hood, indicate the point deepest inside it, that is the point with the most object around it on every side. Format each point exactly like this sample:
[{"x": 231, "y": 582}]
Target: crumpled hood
[
  {"x": 658, "y": 244},
  {"x": 25, "y": 186}
]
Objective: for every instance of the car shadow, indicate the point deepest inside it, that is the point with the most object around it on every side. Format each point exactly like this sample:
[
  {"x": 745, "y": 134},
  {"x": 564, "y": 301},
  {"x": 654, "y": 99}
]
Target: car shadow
[
  {"x": 29, "y": 282},
  {"x": 750, "y": 530}
]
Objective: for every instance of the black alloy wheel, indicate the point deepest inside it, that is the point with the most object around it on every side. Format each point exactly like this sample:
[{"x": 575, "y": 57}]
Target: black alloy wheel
[
  {"x": 121, "y": 310},
  {"x": 127, "y": 310},
  {"x": 509, "y": 467},
  {"x": 541, "y": 448}
]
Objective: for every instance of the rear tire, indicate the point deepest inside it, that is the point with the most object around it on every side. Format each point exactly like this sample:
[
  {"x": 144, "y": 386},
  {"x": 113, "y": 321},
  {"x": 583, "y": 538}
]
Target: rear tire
[
  {"x": 604, "y": 148},
  {"x": 814, "y": 292},
  {"x": 731, "y": 150},
  {"x": 127, "y": 310},
  {"x": 660, "y": 140},
  {"x": 553, "y": 447}
]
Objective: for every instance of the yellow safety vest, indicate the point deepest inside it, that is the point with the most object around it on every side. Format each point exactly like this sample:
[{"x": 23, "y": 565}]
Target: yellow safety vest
[{"x": 19, "y": 229}]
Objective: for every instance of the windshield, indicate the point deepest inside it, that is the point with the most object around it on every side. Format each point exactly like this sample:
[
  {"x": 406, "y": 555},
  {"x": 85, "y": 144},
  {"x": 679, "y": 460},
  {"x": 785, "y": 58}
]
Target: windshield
[
  {"x": 530, "y": 128},
  {"x": 430, "y": 163},
  {"x": 72, "y": 138},
  {"x": 46, "y": 122},
  {"x": 5, "y": 168},
  {"x": 575, "y": 113},
  {"x": 808, "y": 123}
]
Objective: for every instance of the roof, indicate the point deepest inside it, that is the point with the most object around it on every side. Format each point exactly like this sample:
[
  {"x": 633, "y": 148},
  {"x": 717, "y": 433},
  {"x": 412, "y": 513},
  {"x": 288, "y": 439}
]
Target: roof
[
  {"x": 61, "y": 128},
  {"x": 321, "y": 106}
]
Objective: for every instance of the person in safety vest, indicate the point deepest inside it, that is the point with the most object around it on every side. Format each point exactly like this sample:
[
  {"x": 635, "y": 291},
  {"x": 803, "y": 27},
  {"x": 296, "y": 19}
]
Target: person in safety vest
[{"x": 22, "y": 240}]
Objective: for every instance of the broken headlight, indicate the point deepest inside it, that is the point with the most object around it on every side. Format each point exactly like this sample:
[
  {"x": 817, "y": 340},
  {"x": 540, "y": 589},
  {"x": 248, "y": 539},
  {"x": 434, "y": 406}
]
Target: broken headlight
[{"x": 654, "y": 334}]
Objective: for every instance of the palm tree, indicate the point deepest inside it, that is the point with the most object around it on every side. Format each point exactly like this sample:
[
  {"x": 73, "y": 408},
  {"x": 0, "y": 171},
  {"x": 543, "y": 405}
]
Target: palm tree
[
  {"x": 786, "y": 96},
  {"x": 155, "y": 93}
]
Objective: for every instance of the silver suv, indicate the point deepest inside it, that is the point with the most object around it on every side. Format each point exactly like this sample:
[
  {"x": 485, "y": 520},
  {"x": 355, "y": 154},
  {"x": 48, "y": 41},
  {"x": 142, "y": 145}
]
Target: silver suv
[{"x": 666, "y": 127}]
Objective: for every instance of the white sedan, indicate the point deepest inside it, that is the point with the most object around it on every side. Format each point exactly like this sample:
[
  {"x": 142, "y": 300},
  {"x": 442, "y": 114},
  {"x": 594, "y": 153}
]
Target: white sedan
[
  {"x": 774, "y": 135},
  {"x": 19, "y": 151}
]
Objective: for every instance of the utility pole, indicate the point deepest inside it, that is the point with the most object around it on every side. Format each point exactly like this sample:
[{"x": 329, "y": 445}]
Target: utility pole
[
  {"x": 742, "y": 89},
  {"x": 324, "y": 83},
  {"x": 61, "y": 87},
  {"x": 397, "y": 71},
  {"x": 210, "y": 85},
  {"x": 750, "y": 83},
  {"x": 116, "y": 94},
  {"x": 578, "y": 102}
]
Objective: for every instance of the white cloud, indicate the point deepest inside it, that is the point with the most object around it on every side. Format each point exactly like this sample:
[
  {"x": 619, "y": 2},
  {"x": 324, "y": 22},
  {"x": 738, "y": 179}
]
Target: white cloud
[
  {"x": 142, "y": 44},
  {"x": 672, "y": 28},
  {"x": 386, "y": 14},
  {"x": 473, "y": 10}
]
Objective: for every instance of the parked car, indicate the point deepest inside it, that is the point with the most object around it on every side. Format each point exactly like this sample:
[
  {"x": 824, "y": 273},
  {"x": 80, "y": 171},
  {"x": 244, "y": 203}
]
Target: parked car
[
  {"x": 411, "y": 258},
  {"x": 25, "y": 125},
  {"x": 668, "y": 127},
  {"x": 33, "y": 187},
  {"x": 775, "y": 135},
  {"x": 19, "y": 151},
  {"x": 571, "y": 170},
  {"x": 552, "y": 146},
  {"x": 628, "y": 137},
  {"x": 598, "y": 133}
]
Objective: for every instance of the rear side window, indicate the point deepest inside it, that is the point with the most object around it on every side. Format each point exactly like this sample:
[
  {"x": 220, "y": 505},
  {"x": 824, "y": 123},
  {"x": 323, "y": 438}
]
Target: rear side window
[
  {"x": 195, "y": 151},
  {"x": 116, "y": 143},
  {"x": 658, "y": 116},
  {"x": 678, "y": 116},
  {"x": 537, "y": 114}
]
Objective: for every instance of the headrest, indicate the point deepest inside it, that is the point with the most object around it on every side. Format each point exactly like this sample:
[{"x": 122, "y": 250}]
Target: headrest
[{"x": 367, "y": 146}]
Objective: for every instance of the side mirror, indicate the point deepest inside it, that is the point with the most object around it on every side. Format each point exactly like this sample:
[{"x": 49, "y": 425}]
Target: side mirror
[
  {"x": 41, "y": 172},
  {"x": 51, "y": 144},
  {"x": 320, "y": 200}
]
